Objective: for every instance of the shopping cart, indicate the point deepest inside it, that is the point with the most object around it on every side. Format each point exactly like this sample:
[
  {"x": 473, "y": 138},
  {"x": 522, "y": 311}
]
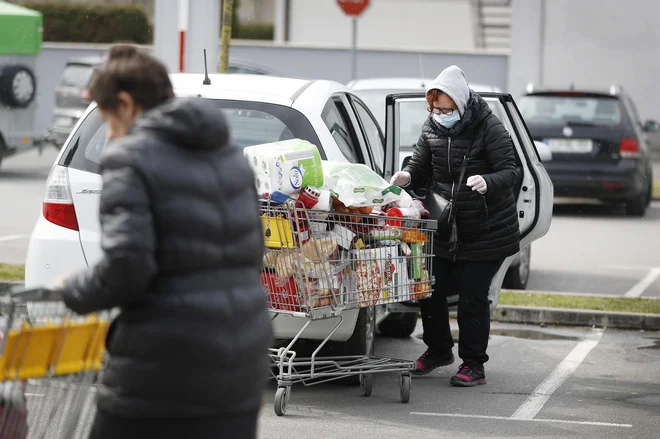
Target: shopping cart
[
  {"x": 50, "y": 359},
  {"x": 319, "y": 264}
]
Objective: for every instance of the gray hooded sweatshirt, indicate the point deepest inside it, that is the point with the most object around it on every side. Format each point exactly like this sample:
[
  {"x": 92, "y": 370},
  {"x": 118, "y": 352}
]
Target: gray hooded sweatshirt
[{"x": 452, "y": 81}]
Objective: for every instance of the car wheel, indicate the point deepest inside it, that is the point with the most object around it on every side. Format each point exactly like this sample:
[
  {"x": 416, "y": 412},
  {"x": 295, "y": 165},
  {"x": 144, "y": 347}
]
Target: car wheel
[
  {"x": 400, "y": 324},
  {"x": 360, "y": 343},
  {"x": 2, "y": 150},
  {"x": 517, "y": 276},
  {"x": 362, "y": 340},
  {"x": 637, "y": 205}
]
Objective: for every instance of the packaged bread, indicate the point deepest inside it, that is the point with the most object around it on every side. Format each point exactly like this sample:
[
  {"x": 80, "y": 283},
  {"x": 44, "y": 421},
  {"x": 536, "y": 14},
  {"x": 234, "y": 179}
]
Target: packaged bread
[
  {"x": 285, "y": 265},
  {"x": 319, "y": 249},
  {"x": 270, "y": 258}
]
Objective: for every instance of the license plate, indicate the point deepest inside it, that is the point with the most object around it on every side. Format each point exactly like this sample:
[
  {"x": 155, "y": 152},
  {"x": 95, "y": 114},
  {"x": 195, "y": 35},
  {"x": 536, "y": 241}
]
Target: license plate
[
  {"x": 64, "y": 121},
  {"x": 580, "y": 146}
]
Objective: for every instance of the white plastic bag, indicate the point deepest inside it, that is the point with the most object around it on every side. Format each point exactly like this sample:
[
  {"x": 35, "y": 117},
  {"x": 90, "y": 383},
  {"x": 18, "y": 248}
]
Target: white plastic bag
[{"x": 356, "y": 185}]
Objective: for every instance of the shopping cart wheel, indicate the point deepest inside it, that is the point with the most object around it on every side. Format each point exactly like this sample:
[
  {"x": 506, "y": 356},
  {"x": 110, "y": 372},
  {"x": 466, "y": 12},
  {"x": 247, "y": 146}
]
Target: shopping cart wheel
[
  {"x": 404, "y": 385},
  {"x": 281, "y": 399},
  {"x": 366, "y": 383}
]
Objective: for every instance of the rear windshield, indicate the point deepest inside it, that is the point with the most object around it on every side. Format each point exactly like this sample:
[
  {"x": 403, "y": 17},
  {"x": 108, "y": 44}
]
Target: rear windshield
[
  {"x": 250, "y": 123},
  {"x": 77, "y": 75},
  {"x": 567, "y": 110}
]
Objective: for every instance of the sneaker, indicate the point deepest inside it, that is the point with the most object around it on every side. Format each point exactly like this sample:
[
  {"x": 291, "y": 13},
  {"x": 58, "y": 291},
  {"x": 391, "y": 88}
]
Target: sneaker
[
  {"x": 468, "y": 376},
  {"x": 427, "y": 362}
]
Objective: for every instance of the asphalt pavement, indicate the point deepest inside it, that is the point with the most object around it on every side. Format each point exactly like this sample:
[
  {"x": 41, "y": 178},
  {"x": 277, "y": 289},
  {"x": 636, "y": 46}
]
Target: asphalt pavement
[
  {"x": 542, "y": 383},
  {"x": 590, "y": 248},
  {"x": 22, "y": 188}
]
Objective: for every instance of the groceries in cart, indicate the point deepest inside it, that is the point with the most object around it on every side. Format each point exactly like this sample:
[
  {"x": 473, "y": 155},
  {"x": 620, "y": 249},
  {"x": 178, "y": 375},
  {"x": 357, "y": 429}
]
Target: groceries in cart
[{"x": 337, "y": 235}]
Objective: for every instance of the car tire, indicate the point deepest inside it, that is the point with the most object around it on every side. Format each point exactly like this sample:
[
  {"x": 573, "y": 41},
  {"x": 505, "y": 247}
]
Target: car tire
[
  {"x": 399, "y": 325},
  {"x": 517, "y": 276},
  {"x": 7, "y": 83},
  {"x": 360, "y": 343},
  {"x": 2, "y": 149},
  {"x": 637, "y": 205}
]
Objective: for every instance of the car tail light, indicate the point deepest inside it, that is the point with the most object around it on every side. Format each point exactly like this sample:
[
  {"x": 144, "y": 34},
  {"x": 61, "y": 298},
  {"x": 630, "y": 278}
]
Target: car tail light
[
  {"x": 628, "y": 148},
  {"x": 58, "y": 202},
  {"x": 84, "y": 94}
]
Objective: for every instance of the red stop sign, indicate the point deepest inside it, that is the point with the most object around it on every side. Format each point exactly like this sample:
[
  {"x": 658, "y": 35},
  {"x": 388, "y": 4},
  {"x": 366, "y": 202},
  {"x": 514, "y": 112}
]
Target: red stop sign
[{"x": 353, "y": 7}]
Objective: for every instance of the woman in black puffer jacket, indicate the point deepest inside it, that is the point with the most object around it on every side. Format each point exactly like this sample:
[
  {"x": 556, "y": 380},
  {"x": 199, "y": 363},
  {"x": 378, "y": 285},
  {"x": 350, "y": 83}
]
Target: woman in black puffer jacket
[
  {"x": 182, "y": 252},
  {"x": 486, "y": 216}
]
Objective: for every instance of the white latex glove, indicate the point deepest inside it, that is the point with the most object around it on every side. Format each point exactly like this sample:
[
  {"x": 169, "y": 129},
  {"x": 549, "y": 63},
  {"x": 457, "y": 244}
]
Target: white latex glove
[
  {"x": 477, "y": 183},
  {"x": 401, "y": 179}
]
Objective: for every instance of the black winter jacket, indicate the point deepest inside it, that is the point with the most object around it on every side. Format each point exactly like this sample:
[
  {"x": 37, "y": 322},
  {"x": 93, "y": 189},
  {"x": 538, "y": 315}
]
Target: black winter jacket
[
  {"x": 182, "y": 252},
  {"x": 487, "y": 224}
]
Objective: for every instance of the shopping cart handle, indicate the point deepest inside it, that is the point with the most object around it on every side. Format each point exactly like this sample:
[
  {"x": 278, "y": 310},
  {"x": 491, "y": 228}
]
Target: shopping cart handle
[{"x": 36, "y": 295}]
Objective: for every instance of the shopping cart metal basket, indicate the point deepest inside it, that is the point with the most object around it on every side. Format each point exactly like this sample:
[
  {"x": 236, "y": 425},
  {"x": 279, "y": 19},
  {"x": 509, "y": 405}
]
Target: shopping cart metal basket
[{"x": 318, "y": 265}]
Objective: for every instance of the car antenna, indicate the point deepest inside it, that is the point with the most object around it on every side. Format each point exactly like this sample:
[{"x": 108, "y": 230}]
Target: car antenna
[{"x": 207, "y": 80}]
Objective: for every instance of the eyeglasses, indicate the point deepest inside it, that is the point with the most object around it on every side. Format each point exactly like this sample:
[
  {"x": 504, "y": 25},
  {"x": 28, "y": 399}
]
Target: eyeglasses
[{"x": 447, "y": 111}]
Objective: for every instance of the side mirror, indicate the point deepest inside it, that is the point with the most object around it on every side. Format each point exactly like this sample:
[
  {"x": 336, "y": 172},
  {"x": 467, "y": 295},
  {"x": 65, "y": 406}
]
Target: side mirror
[
  {"x": 651, "y": 126},
  {"x": 544, "y": 151}
]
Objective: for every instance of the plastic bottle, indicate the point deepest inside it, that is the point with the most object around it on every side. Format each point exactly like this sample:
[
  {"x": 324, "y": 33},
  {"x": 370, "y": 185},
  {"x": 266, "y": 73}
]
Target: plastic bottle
[{"x": 403, "y": 212}]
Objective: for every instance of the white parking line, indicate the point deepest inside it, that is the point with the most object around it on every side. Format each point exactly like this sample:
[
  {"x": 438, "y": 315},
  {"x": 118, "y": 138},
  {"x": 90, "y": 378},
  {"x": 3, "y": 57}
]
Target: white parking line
[
  {"x": 641, "y": 286},
  {"x": 504, "y": 418},
  {"x": 13, "y": 237},
  {"x": 627, "y": 267},
  {"x": 535, "y": 402}
]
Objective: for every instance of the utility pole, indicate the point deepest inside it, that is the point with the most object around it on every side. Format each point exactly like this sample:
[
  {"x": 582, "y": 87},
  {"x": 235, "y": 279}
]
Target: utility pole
[{"x": 227, "y": 13}]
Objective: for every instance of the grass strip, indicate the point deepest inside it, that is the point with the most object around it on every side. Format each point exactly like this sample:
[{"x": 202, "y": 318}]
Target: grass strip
[
  {"x": 619, "y": 304},
  {"x": 14, "y": 272}
]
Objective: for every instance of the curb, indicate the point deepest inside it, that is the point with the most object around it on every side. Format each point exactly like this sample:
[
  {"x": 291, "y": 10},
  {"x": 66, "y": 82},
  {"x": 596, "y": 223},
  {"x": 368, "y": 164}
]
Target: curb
[
  {"x": 576, "y": 317},
  {"x": 656, "y": 190},
  {"x": 538, "y": 316},
  {"x": 7, "y": 285}
]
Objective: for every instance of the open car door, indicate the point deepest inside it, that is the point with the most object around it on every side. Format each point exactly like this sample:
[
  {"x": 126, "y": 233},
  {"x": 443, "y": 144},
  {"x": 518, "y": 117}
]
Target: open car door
[{"x": 405, "y": 115}]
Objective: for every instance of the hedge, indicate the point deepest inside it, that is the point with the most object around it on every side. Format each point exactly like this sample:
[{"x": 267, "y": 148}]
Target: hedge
[
  {"x": 93, "y": 23},
  {"x": 253, "y": 31},
  {"x": 97, "y": 23}
]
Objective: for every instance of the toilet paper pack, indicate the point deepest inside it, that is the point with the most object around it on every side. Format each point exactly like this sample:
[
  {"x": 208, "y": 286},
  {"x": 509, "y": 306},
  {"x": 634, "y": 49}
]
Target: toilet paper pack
[{"x": 286, "y": 166}]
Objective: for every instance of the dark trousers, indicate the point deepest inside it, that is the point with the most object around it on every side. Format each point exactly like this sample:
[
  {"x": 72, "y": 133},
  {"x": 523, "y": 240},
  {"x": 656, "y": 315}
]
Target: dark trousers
[
  {"x": 234, "y": 427},
  {"x": 471, "y": 280}
]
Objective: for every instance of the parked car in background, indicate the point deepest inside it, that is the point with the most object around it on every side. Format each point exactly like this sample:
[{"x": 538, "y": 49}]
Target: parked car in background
[
  {"x": 374, "y": 91},
  {"x": 72, "y": 92},
  {"x": 600, "y": 148}
]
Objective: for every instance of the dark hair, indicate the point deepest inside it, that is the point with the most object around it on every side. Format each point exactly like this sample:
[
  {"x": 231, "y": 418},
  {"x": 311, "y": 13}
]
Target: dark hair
[{"x": 134, "y": 71}]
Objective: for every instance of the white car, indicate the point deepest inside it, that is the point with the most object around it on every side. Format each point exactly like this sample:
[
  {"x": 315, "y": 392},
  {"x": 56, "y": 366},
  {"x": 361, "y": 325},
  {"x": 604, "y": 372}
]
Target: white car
[
  {"x": 259, "y": 109},
  {"x": 373, "y": 92}
]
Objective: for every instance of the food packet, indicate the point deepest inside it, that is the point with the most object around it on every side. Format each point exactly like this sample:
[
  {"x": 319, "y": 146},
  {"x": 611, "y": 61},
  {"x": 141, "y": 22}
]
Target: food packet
[
  {"x": 320, "y": 247},
  {"x": 387, "y": 236}
]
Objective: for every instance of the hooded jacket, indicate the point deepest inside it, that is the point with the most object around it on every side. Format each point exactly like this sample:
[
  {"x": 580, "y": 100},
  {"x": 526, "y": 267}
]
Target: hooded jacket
[
  {"x": 452, "y": 82},
  {"x": 182, "y": 253},
  {"x": 488, "y": 226}
]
